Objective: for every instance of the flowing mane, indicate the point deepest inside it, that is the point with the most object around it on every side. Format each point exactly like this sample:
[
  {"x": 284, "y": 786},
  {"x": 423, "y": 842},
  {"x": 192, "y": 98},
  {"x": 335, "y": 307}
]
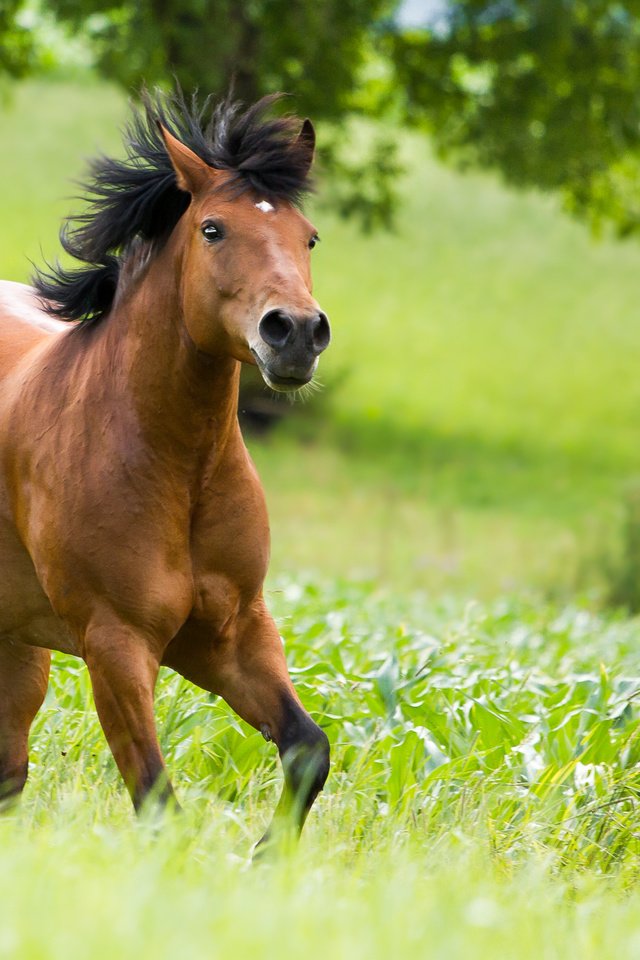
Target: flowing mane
[{"x": 137, "y": 198}]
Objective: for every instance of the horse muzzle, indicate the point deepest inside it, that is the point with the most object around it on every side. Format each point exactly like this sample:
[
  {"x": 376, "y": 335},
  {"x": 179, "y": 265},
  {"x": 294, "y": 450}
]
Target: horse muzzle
[{"x": 289, "y": 346}]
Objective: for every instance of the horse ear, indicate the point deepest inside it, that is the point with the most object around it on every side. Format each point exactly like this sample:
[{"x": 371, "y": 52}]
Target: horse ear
[
  {"x": 307, "y": 142},
  {"x": 192, "y": 173}
]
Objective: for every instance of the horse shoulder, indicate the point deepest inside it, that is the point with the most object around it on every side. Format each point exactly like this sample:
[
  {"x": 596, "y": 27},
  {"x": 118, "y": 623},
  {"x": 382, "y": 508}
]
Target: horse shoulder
[{"x": 105, "y": 529}]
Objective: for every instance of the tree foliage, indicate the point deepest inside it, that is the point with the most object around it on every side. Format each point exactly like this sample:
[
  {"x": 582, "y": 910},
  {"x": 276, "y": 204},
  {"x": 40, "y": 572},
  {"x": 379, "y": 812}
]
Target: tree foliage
[
  {"x": 315, "y": 49},
  {"x": 546, "y": 91}
]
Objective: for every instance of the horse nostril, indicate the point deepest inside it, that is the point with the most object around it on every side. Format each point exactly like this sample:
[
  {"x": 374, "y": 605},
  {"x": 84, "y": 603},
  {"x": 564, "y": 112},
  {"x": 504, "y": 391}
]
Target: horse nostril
[
  {"x": 276, "y": 328},
  {"x": 320, "y": 332}
]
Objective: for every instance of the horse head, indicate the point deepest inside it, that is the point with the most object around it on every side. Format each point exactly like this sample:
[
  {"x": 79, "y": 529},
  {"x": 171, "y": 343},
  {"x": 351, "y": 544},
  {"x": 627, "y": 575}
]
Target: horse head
[{"x": 246, "y": 274}]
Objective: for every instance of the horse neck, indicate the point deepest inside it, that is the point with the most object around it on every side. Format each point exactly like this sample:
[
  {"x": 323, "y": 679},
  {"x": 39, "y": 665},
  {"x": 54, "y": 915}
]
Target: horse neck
[{"x": 184, "y": 401}]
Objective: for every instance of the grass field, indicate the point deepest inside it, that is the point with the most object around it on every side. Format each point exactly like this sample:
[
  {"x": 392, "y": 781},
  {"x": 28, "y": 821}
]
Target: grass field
[
  {"x": 483, "y": 800},
  {"x": 475, "y": 439}
]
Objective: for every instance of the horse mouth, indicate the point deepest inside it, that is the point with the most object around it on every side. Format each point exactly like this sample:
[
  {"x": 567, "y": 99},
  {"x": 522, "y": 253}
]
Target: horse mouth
[{"x": 279, "y": 383}]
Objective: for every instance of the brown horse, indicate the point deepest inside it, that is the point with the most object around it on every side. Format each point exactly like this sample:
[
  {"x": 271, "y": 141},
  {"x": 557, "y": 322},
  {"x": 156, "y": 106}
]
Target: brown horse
[{"x": 133, "y": 528}]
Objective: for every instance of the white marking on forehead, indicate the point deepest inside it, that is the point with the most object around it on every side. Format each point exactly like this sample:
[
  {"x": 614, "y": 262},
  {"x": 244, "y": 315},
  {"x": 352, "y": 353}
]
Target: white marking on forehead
[{"x": 265, "y": 206}]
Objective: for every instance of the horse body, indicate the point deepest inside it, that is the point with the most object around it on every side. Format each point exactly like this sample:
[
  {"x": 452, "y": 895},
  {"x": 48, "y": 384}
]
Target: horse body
[{"x": 133, "y": 527}]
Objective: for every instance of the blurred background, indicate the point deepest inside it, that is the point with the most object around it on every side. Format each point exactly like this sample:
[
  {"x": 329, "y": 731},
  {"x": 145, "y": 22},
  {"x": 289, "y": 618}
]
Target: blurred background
[{"x": 478, "y": 203}]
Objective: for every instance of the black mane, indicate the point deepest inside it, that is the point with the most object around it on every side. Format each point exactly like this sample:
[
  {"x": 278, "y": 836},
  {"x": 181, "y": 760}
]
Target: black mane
[{"x": 137, "y": 198}]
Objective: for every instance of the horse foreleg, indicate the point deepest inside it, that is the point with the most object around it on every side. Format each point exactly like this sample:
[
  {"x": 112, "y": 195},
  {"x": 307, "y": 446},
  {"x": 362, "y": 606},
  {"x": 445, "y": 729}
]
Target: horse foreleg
[
  {"x": 24, "y": 675},
  {"x": 249, "y": 671},
  {"x": 124, "y": 670}
]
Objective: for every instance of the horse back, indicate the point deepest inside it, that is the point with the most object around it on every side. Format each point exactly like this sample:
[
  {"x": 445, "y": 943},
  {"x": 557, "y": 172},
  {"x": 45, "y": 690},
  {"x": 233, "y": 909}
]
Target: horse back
[{"x": 23, "y": 324}]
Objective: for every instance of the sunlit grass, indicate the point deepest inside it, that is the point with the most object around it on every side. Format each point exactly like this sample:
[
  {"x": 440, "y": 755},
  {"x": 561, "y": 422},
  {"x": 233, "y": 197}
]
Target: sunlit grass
[
  {"x": 128, "y": 893},
  {"x": 515, "y": 719},
  {"x": 483, "y": 799}
]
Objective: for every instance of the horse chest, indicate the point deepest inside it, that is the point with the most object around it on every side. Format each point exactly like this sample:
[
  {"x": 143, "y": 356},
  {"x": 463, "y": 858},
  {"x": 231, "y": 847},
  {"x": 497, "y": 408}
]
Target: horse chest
[{"x": 229, "y": 546}]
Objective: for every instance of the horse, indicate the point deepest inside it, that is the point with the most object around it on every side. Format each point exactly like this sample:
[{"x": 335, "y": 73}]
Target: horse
[{"x": 133, "y": 525}]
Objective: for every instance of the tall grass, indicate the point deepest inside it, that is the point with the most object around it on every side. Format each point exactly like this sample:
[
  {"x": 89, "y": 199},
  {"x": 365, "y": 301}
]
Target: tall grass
[{"x": 483, "y": 798}]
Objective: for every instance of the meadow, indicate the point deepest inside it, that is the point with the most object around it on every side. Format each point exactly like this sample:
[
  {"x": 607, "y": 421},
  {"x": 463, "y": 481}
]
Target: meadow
[
  {"x": 483, "y": 800},
  {"x": 443, "y": 517}
]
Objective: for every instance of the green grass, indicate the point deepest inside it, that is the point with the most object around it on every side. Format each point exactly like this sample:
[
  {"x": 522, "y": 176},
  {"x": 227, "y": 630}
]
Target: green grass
[
  {"x": 480, "y": 419},
  {"x": 483, "y": 799}
]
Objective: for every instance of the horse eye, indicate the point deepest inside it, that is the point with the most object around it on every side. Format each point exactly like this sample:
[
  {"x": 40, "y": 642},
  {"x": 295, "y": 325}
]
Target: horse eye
[
  {"x": 315, "y": 239},
  {"x": 211, "y": 233}
]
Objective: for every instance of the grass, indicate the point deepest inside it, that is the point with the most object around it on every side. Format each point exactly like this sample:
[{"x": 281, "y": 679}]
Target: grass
[
  {"x": 484, "y": 798},
  {"x": 187, "y": 904},
  {"x": 480, "y": 417},
  {"x": 141, "y": 897}
]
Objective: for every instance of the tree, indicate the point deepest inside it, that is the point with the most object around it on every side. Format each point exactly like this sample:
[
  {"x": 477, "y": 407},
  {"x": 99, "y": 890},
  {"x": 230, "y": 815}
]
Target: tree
[
  {"x": 314, "y": 48},
  {"x": 546, "y": 91}
]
